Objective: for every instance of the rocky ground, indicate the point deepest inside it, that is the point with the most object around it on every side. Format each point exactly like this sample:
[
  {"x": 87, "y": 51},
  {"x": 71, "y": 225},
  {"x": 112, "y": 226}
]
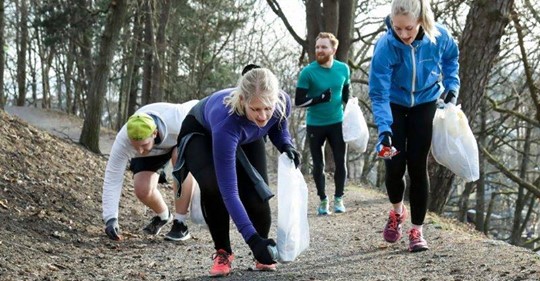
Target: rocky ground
[{"x": 50, "y": 211}]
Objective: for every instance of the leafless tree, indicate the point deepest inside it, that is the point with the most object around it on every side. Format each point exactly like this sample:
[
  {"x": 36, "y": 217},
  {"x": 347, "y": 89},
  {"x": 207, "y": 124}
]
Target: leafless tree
[{"x": 92, "y": 123}]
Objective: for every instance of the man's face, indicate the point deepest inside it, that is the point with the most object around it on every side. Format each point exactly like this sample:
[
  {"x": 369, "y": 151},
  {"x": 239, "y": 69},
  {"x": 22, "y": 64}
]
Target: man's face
[
  {"x": 406, "y": 28},
  {"x": 143, "y": 147},
  {"x": 324, "y": 50},
  {"x": 258, "y": 112}
]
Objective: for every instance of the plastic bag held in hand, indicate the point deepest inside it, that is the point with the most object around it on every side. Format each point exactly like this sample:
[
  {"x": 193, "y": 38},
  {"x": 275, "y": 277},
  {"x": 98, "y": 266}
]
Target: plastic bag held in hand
[
  {"x": 292, "y": 226},
  {"x": 453, "y": 144},
  {"x": 293, "y": 154},
  {"x": 384, "y": 147},
  {"x": 355, "y": 129}
]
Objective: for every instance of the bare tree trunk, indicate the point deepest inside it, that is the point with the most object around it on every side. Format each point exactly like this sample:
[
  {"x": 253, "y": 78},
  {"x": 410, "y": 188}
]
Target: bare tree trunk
[
  {"x": 313, "y": 24},
  {"x": 148, "y": 53},
  {"x": 463, "y": 202},
  {"x": 33, "y": 75},
  {"x": 2, "y": 55},
  {"x": 345, "y": 28},
  {"x": 532, "y": 86},
  {"x": 131, "y": 54},
  {"x": 91, "y": 126},
  {"x": 161, "y": 48},
  {"x": 479, "y": 48},
  {"x": 515, "y": 237},
  {"x": 331, "y": 16},
  {"x": 68, "y": 78},
  {"x": 46, "y": 61},
  {"x": 83, "y": 61},
  {"x": 480, "y": 185},
  {"x": 22, "y": 39}
]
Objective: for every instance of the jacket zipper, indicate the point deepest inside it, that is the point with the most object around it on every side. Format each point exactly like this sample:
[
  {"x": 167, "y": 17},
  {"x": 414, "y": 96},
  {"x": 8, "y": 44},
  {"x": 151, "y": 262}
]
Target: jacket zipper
[{"x": 413, "y": 74}]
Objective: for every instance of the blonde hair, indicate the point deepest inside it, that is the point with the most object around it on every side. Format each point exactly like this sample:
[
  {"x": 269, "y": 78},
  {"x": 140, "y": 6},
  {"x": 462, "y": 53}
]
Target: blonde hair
[
  {"x": 327, "y": 35},
  {"x": 419, "y": 10},
  {"x": 261, "y": 83}
]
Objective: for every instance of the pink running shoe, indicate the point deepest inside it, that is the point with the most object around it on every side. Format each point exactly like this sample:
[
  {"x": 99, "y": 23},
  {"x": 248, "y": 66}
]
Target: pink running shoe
[
  {"x": 392, "y": 229},
  {"x": 417, "y": 243},
  {"x": 264, "y": 267},
  {"x": 222, "y": 263}
]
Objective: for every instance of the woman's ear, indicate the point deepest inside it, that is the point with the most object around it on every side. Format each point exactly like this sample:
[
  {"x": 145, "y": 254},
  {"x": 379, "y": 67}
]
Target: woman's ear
[{"x": 241, "y": 99}]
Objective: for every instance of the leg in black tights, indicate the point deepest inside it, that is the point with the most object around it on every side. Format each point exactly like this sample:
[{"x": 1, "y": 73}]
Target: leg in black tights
[
  {"x": 199, "y": 162},
  {"x": 412, "y": 129},
  {"x": 317, "y": 136}
]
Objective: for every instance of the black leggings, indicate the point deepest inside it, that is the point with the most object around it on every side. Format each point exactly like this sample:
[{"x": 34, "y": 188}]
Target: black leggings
[
  {"x": 412, "y": 129},
  {"x": 317, "y": 136},
  {"x": 199, "y": 161}
]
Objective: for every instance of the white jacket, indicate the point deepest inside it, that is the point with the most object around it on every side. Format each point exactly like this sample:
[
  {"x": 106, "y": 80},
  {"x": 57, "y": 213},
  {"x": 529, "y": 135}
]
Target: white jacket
[{"x": 170, "y": 116}]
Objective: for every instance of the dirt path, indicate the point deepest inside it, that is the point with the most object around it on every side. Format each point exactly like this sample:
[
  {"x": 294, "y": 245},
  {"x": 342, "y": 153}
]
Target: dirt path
[
  {"x": 59, "y": 124},
  {"x": 50, "y": 211}
]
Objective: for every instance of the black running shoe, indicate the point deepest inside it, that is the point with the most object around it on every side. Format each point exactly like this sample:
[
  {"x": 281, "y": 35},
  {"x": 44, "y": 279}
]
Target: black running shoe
[
  {"x": 179, "y": 232},
  {"x": 155, "y": 225}
]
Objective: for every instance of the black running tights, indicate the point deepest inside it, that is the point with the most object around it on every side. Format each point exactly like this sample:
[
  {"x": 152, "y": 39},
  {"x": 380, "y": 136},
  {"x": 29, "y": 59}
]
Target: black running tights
[
  {"x": 199, "y": 161},
  {"x": 411, "y": 130},
  {"x": 317, "y": 136}
]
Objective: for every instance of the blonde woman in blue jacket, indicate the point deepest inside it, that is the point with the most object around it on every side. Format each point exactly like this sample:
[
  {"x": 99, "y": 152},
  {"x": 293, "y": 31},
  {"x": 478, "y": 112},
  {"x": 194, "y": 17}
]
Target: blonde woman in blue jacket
[{"x": 414, "y": 64}]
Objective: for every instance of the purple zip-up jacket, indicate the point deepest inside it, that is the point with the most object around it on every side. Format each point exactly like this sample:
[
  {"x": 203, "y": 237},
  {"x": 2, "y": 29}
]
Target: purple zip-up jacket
[{"x": 228, "y": 132}]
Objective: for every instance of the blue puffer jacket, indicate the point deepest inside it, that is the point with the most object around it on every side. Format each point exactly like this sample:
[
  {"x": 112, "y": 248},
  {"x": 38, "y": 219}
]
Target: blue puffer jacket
[{"x": 409, "y": 75}]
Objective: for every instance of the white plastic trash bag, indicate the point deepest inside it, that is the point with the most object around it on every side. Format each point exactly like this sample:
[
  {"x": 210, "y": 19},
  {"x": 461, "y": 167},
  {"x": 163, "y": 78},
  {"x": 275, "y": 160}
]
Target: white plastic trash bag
[
  {"x": 453, "y": 144},
  {"x": 195, "y": 210},
  {"x": 293, "y": 228},
  {"x": 355, "y": 129}
]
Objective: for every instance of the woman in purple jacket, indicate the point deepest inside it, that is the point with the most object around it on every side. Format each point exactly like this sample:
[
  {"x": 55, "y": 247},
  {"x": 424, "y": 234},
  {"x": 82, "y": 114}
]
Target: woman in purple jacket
[{"x": 218, "y": 126}]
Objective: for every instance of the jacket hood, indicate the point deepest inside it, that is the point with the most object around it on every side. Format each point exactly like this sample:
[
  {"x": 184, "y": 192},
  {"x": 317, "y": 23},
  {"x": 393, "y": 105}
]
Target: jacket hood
[{"x": 160, "y": 125}]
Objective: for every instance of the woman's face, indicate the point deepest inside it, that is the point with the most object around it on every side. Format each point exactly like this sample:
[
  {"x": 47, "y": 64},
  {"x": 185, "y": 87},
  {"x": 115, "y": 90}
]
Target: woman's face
[
  {"x": 406, "y": 28},
  {"x": 258, "y": 112}
]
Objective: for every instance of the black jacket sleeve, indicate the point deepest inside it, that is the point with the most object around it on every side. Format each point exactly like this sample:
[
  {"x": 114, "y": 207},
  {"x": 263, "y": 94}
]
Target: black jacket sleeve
[
  {"x": 345, "y": 93},
  {"x": 302, "y": 100}
]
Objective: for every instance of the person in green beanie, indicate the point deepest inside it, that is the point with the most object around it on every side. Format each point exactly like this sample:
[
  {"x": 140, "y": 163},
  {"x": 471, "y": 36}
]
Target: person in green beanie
[{"x": 148, "y": 142}]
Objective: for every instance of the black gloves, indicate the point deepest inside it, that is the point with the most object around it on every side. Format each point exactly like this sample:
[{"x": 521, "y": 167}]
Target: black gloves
[
  {"x": 264, "y": 250},
  {"x": 326, "y": 95},
  {"x": 385, "y": 139},
  {"x": 292, "y": 154},
  {"x": 384, "y": 147},
  {"x": 112, "y": 229},
  {"x": 450, "y": 97},
  {"x": 302, "y": 100}
]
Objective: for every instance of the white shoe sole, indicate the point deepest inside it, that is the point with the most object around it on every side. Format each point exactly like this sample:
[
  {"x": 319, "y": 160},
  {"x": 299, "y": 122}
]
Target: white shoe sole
[{"x": 178, "y": 239}]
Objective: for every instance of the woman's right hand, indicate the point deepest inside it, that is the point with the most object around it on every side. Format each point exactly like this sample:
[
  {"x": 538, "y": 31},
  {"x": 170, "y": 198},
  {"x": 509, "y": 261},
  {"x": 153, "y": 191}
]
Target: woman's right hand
[
  {"x": 384, "y": 147},
  {"x": 263, "y": 249}
]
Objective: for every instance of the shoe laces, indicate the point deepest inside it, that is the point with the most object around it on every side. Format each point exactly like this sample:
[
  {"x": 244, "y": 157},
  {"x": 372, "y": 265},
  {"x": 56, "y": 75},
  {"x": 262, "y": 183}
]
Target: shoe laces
[
  {"x": 393, "y": 220},
  {"x": 415, "y": 234},
  {"x": 324, "y": 204},
  {"x": 222, "y": 257}
]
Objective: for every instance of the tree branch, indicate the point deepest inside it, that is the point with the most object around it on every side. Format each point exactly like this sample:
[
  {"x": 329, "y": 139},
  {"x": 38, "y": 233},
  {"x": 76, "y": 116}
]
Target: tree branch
[
  {"x": 500, "y": 166},
  {"x": 514, "y": 113},
  {"x": 274, "y": 5},
  {"x": 528, "y": 71}
]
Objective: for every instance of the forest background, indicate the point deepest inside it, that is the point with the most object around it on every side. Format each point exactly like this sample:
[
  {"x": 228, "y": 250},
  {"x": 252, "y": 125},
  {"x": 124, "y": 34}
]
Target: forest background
[{"x": 101, "y": 60}]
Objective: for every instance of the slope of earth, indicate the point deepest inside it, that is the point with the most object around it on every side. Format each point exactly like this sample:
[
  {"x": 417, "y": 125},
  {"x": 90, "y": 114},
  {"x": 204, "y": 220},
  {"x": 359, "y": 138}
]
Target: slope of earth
[{"x": 50, "y": 211}]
